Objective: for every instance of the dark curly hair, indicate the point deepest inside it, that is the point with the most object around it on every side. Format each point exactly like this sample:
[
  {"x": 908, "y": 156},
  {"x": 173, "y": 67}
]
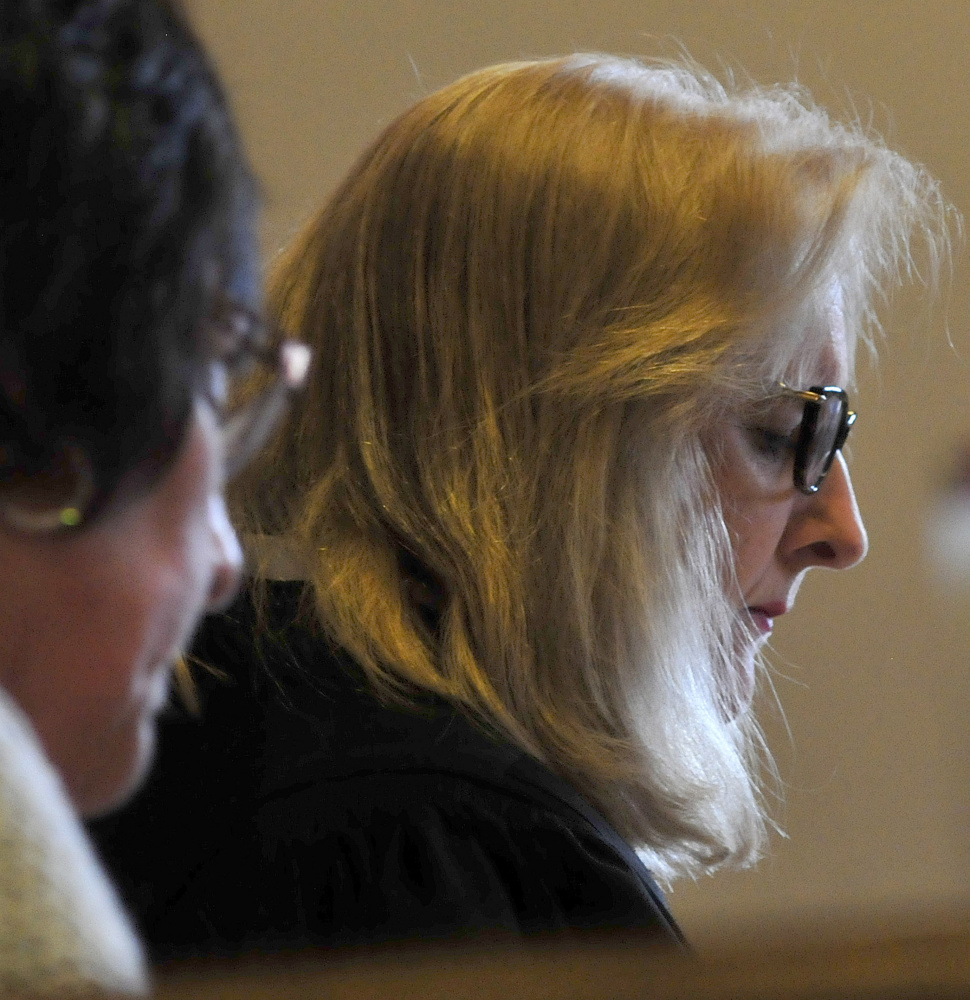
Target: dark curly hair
[{"x": 126, "y": 211}]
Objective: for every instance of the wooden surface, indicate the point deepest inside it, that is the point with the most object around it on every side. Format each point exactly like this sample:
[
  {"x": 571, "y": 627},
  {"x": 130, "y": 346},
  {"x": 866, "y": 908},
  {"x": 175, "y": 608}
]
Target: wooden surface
[{"x": 931, "y": 965}]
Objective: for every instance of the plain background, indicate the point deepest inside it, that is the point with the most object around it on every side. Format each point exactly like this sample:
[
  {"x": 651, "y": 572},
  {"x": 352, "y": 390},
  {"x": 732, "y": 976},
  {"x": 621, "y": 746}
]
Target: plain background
[{"x": 872, "y": 667}]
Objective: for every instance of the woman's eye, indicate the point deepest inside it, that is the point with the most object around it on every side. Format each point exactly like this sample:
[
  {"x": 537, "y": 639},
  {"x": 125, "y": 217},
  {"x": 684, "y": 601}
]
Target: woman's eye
[{"x": 773, "y": 445}]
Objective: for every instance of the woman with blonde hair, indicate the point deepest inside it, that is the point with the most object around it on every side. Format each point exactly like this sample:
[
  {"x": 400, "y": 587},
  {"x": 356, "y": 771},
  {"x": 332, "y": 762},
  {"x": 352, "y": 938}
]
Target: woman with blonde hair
[{"x": 574, "y": 445}]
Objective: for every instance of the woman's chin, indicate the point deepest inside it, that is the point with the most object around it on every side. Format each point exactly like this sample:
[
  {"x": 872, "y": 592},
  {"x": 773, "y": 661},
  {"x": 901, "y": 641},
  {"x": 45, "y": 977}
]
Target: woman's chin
[
  {"x": 739, "y": 693},
  {"x": 746, "y": 679},
  {"x": 102, "y": 789}
]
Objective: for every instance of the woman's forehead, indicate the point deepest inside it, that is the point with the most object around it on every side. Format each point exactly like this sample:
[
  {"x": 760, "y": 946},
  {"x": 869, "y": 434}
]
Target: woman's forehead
[
  {"x": 824, "y": 357},
  {"x": 833, "y": 358}
]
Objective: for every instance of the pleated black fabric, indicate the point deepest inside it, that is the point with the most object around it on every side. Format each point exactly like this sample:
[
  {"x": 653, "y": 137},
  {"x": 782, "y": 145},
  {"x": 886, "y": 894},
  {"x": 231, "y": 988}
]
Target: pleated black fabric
[{"x": 298, "y": 811}]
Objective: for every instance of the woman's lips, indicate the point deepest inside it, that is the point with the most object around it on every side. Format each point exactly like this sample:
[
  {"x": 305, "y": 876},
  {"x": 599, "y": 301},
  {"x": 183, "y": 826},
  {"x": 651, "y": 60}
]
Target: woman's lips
[{"x": 764, "y": 615}]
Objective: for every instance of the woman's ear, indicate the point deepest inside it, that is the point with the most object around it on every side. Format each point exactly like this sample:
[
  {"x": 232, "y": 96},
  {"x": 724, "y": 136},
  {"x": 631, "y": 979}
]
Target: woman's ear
[{"x": 55, "y": 497}]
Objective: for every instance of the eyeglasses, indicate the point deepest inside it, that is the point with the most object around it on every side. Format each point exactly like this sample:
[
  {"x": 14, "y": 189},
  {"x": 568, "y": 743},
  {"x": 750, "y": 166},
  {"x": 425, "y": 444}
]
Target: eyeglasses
[
  {"x": 249, "y": 380},
  {"x": 825, "y": 425}
]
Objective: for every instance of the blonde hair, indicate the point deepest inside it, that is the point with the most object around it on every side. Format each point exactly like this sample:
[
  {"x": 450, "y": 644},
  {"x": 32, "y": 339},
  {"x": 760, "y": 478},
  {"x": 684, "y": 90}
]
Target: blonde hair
[{"x": 528, "y": 301}]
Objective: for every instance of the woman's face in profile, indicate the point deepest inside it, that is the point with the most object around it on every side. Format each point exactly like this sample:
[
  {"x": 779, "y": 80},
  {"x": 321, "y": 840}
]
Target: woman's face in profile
[
  {"x": 92, "y": 620},
  {"x": 779, "y": 533}
]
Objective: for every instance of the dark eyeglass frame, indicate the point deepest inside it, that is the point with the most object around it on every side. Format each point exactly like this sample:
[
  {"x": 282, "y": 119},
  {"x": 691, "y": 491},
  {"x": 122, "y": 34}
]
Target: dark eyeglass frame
[
  {"x": 815, "y": 398},
  {"x": 242, "y": 338}
]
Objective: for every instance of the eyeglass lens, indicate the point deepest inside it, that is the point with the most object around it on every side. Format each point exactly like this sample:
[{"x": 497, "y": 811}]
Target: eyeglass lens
[
  {"x": 247, "y": 428},
  {"x": 822, "y": 431},
  {"x": 257, "y": 399}
]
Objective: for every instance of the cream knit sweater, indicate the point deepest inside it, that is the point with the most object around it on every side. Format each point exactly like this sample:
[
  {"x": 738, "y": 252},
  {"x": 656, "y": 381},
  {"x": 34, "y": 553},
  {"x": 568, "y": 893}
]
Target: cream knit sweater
[{"x": 62, "y": 928}]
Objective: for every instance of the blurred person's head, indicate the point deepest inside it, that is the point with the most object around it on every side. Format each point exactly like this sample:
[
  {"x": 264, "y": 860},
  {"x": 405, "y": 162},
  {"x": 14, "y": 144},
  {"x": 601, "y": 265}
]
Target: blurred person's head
[
  {"x": 128, "y": 274},
  {"x": 566, "y": 460}
]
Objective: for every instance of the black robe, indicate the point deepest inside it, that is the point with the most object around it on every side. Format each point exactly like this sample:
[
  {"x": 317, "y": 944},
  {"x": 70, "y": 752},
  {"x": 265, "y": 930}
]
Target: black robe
[{"x": 298, "y": 811}]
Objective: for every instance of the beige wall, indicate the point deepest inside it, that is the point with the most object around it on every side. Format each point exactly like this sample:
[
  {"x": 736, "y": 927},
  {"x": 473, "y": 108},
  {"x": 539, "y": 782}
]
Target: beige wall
[{"x": 872, "y": 668}]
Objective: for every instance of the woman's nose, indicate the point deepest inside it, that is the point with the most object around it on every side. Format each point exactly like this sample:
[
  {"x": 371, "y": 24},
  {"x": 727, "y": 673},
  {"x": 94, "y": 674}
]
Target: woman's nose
[
  {"x": 833, "y": 534},
  {"x": 227, "y": 559}
]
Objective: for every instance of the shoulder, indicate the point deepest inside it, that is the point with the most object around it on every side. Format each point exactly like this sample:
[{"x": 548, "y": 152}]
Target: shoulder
[
  {"x": 417, "y": 851},
  {"x": 304, "y": 812},
  {"x": 521, "y": 857}
]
